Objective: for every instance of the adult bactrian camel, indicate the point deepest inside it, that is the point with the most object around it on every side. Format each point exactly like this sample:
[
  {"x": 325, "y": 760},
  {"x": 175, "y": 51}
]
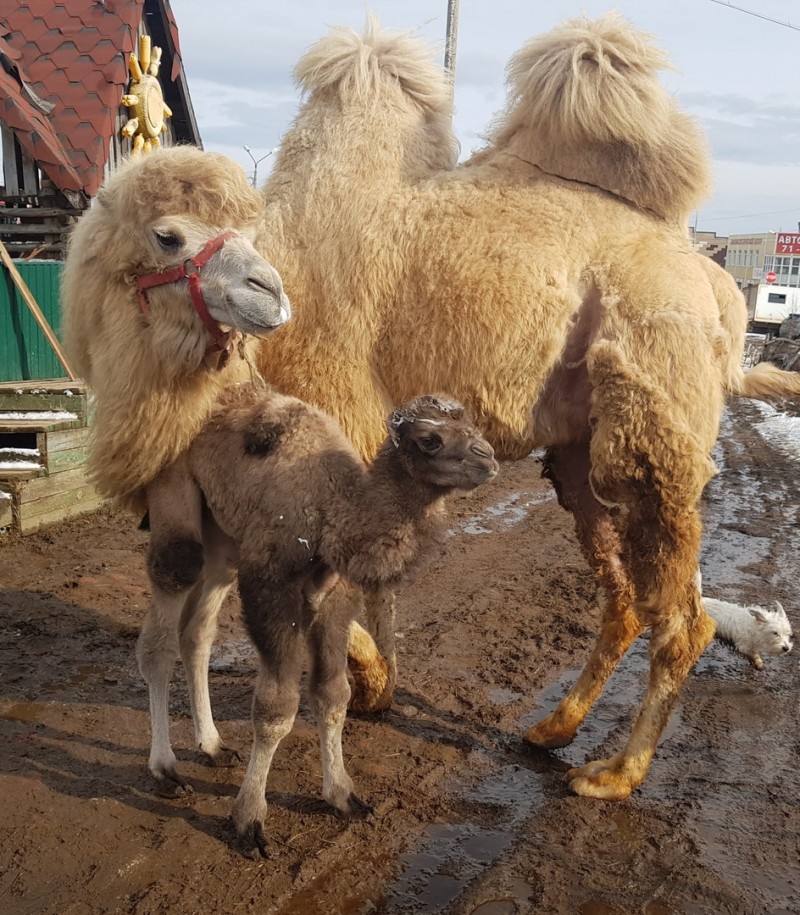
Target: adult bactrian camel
[
  {"x": 172, "y": 224},
  {"x": 549, "y": 284}
]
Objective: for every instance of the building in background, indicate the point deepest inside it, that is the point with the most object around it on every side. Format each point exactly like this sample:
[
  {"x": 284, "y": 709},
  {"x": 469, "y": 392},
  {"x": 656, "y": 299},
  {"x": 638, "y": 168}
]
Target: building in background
[
  {"x": 65, "y": 69},
  {"x": 766, "y": 267}
]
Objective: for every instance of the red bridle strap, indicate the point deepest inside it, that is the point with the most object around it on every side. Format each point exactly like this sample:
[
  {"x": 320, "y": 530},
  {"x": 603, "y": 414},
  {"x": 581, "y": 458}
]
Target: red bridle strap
[{"x": 189, "y": 269}]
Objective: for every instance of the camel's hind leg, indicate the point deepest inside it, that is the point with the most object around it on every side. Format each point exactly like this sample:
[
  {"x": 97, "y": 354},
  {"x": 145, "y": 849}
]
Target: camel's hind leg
[
  {"x": 198, "y": 626},
  {"x": 274, "y": 617},
  {"x": 329, "y": 693},
  {"x": 646, "y": 458},
  {"x": 568, "y": 468}
]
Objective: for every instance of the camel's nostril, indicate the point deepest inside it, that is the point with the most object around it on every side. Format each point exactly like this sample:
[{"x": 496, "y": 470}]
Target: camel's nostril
[{"x": 263, "y": 285}]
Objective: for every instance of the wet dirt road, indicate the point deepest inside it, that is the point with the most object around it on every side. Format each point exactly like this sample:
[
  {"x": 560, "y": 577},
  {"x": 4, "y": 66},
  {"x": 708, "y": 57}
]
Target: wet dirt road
[{"x": 466, "y": 820}]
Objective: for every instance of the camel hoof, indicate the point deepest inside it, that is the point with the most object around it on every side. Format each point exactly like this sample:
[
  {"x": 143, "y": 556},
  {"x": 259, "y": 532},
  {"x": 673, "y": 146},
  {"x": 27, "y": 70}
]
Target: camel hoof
[
  {"x": 223, "y": 758},
  {"x": 252, "y": 842},
  {"x": 543, "y": 736},
  {"x": 356, "y": 809},
  {"x": 172, "y": 786},
  {"x": 600, "y": 779}
]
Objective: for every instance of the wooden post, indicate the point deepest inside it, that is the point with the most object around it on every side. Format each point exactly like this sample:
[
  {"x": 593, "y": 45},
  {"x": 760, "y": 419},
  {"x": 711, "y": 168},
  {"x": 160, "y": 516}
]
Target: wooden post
[{"x": 26, "y": 294}]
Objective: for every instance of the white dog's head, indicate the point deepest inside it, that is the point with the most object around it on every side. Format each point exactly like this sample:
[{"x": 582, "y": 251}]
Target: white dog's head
[{"x": 774, "y": 630}]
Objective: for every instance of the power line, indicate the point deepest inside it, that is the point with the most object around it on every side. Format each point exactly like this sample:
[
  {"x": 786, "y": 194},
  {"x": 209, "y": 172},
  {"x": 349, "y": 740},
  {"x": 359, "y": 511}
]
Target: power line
[
  {"x": 750, "y": 215},
  {"x": 740, "y": 9}
]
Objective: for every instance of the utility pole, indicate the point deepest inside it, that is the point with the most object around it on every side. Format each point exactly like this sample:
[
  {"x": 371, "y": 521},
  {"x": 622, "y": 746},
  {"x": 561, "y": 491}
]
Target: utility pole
[{"x": 451, "y": 42}]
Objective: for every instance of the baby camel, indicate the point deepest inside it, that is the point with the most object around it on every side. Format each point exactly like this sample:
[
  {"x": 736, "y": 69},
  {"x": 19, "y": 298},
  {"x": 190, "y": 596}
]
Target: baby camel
[{"x": 294, "y": 507}]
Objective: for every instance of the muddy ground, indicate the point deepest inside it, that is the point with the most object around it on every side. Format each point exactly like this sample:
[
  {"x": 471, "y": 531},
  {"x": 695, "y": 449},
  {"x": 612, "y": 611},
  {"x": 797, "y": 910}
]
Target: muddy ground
[{"x": 466, "y": 820}]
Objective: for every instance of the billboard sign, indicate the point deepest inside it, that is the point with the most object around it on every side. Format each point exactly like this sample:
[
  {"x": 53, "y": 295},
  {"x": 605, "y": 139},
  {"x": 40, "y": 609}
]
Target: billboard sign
[{"x": 788, "y": 243}]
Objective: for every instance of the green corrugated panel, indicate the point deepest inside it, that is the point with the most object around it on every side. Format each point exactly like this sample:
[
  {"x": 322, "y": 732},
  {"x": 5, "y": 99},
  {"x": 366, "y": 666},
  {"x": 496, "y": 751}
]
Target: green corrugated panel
[{"x": 25, "y": 354}]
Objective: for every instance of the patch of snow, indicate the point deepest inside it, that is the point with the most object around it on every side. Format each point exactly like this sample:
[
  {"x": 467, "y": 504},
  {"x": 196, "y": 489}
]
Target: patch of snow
[
  {"x": 779, "y": 429},
  {"x": 5, "y": 495},
  {"x": 23, "y": 452},
  {"x": 48, "y": 415},
  {"x": 19, "y": 465}
]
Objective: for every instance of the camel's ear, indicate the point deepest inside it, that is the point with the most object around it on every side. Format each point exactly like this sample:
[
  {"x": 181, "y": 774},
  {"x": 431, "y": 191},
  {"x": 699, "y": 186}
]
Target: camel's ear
[
  {"x": 394, "y": 424},
  {"x": 758, "y": 615}
]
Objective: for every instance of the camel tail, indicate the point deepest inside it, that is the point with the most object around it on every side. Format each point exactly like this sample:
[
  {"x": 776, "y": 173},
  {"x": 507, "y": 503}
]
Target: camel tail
[
  {"x": 765, "y": 381},
  {"x": 585, "y": 102}
]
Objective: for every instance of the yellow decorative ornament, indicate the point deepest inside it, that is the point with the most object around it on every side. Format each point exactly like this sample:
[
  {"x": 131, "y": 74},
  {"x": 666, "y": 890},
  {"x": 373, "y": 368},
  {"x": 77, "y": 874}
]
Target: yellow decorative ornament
[{"x": 144, "y": 96}]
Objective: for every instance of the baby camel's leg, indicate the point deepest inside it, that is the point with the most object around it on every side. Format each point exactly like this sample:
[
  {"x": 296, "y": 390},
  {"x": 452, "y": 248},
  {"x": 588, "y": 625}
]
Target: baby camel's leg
[
  {"x": 198, "y": 626},
  {"x": 568, "y": 469},
  {"x": 174, "y": 565},
  {"x": 329, "y": 693},
  {"x": 274, "y": 618}
]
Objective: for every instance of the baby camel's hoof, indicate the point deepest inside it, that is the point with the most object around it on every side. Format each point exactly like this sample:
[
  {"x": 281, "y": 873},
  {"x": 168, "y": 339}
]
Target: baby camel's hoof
[
  {"x": 354, "y": 808},
  {"x": 601, "y": 779},
  {"x": 252, "y": 842},
  {"x": 223, "y": 758},
  {"x": 170, "y": 785}
]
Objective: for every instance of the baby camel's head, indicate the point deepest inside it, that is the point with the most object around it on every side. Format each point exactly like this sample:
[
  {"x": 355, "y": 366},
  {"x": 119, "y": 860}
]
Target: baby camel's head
[{"x": 438, "y": 444}]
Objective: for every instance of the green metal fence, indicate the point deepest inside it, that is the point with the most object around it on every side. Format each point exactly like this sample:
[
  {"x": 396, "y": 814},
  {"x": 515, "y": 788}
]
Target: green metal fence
[{"x": 25, "y": 354}]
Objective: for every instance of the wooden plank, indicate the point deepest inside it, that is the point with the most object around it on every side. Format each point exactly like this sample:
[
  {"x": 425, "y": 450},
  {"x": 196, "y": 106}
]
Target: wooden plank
[
  {"x": 30, "y": 402},
  {"x": 69, "y": 459},
  {"x": 37, "y": 212},
  {"x": 47, "y": 385},
  {"x": 13, "y": 426},
  {"x": 10, "y": 173},
  {"x": 30, "y": 228},
  {"x": 64, "y": 441},
  {"x": 29, "y": 524},
  {"x": 6, "y": 512},
  {"x": 22, "y": 286},
  {"x": 10, "y": 476},
  {"x": 54, "y": 484}
]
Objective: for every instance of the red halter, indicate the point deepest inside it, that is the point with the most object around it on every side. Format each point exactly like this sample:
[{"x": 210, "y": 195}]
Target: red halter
[{"x": 190, "y": 269}]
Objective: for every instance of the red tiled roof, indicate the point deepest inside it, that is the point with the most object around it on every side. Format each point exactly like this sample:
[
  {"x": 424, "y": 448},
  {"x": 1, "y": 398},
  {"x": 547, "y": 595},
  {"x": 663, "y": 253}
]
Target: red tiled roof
[{"x": 73, "y": 54}]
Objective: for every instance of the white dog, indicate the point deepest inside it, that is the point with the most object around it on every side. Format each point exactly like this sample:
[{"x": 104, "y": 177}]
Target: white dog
[{"x": 751, "y": 631}]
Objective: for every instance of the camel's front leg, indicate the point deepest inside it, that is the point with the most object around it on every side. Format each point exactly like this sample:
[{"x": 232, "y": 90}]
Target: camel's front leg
[
  {"x": 174, "y": 566},
  {"x": 274, "y": 618},
  {"x": 568, "y": 469},
  {"x": 372, "y": 656},
  {"x": 329, "y": 693},
  {"x": 197, "y": 629}
]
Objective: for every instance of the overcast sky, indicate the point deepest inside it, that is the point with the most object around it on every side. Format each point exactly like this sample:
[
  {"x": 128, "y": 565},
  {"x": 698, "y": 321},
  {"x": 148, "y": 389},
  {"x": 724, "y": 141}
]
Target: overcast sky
[{"x": 738, "y": 73}]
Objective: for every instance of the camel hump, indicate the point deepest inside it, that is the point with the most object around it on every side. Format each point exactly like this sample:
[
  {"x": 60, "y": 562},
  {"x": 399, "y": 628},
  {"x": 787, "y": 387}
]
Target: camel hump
[
  {"x": 593, "y": 79},
  {"x": 359, "y": 63},
  {"x": 586, "y": 102}
]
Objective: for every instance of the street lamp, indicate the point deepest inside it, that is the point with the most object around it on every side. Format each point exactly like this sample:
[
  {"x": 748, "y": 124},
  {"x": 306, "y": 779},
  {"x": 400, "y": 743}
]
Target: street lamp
[{"x": 266, "y": 155}]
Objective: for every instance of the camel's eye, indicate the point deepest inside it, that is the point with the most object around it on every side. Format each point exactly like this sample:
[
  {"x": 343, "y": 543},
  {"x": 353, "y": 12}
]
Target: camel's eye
[
  {"x": 430, "y": 444},
  {"x": 168, "y": 241}
]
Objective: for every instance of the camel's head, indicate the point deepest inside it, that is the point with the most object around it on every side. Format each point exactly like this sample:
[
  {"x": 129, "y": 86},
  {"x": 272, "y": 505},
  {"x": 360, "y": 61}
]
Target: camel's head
[
  {"x": 165, "y": 254},
  {"x": 439, "y": 445}
]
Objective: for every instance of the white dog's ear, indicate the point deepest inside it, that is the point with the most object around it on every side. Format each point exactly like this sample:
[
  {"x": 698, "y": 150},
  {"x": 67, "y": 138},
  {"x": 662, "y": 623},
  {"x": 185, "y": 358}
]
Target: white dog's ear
[
  {"x": 758, "y": 614},
  {"x": 780, "y": 610}
]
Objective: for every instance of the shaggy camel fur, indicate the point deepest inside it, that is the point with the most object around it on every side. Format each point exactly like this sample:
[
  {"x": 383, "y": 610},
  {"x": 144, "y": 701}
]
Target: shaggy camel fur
[
  {"x": 549, "y": 283},
  {"x": 298, "y": 507},
  {"x": 157, "y": 369}
]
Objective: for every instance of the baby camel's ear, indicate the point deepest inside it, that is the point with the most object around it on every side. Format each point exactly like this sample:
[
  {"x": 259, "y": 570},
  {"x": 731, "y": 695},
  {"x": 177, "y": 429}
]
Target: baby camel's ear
[
  {"x": 758, "y": 615},
  {"x": 394, "y": 424}
]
